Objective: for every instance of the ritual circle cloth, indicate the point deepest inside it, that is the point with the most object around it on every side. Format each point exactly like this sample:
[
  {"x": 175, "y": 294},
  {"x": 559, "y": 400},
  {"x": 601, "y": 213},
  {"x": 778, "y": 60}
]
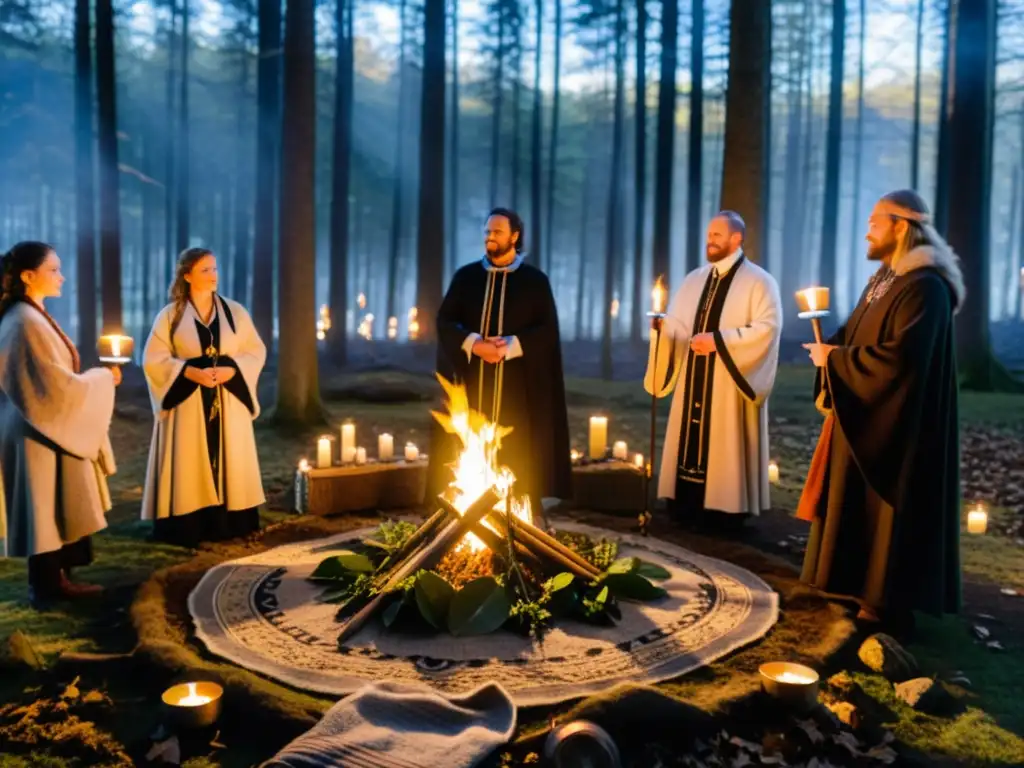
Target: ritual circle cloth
[{"x": 263, "y": 614}]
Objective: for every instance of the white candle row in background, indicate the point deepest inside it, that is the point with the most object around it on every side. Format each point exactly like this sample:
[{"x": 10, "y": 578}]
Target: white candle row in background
[{"x": 356, "y": 454}]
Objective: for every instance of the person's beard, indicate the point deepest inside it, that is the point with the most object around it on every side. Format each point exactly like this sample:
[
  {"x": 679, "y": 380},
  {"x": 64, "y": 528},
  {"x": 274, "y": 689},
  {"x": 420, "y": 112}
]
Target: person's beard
[
  {"x": 714, "y": 253},
  {"x": 498, "y": 251},
  {"x": 880, "y": 251}
]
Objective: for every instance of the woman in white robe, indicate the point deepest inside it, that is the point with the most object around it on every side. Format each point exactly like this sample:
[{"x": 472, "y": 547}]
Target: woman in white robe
[
  {"x": 202, "y": 363},
  {"x": 55, "y": 452}
]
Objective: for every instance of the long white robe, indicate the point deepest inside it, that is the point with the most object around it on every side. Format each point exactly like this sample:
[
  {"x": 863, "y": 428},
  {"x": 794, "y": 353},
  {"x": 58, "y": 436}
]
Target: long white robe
[
  {"x": 55, "y": 452},
  {"x": 179, "y": 478},
  {"x": 750, "y": 327}
]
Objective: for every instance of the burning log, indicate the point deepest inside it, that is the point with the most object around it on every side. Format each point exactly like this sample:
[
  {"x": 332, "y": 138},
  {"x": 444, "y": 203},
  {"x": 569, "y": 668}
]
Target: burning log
[
  {"x": 523, "y": 529},
  {"x": 424, "y": 558},
  {"x": 496, "y": 542},
  {"x": 522, "y": 534}
]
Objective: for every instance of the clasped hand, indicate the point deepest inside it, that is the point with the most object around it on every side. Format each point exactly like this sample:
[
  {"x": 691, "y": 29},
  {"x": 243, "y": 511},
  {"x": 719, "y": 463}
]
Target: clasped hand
[
  {"x": 703, "y": 343},
  {"x": 211, "y": 377},
  {"x": 490, "y": 350}
]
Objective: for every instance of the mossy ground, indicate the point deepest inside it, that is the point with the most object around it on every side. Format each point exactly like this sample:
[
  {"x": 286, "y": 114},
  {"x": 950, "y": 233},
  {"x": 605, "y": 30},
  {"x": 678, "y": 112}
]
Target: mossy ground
[{"x": 147, "y": 585}]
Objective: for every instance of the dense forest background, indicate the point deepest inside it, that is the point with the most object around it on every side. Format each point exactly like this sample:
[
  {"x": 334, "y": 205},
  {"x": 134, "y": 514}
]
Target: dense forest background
[{"x": 345, "y": 152}]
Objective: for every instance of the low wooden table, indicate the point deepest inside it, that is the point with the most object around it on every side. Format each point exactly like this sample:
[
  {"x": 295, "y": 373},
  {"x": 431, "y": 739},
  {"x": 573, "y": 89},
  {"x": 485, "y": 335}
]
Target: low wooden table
[
  {"x": 355, "y": 488},
  {"x": 608, "y": 486}
]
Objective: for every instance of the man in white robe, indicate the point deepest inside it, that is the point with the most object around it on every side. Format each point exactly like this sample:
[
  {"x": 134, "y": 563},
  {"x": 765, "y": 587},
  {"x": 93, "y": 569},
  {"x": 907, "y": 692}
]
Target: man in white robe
[{"x": 719, "y": 351}]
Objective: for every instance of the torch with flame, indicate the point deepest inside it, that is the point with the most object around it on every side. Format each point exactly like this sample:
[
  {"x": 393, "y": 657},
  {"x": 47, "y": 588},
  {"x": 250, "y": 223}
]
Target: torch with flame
[
  {"x": 813, "y": 305},
  {"x": 657, "y": 315},
  {"x": 414, "y": 324},
  {"x": 115, "y": 349}
]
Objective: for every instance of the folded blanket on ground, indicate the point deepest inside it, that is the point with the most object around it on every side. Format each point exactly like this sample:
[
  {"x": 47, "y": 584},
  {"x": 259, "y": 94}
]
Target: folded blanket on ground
[{"x": 383, "y": 725}]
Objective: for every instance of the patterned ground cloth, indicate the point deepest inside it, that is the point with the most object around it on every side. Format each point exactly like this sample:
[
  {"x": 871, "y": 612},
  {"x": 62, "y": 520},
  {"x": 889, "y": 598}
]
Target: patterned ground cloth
[{"x": 261, "y": 613}]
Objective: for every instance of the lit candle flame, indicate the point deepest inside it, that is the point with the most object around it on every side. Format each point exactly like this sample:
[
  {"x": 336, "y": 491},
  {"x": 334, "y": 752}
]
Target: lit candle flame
[
  {"x": 810, "y": 296},
  {"x": 615, "y": 307},
  {"x": 361, "y": 301},
  {"x": 414, "y": 324},
  {"x": 658, "y": 296},
  {"x": 303, "y": 465},
  {"x": 793, "y": 678},
  {"x": 193, "y": 699}
]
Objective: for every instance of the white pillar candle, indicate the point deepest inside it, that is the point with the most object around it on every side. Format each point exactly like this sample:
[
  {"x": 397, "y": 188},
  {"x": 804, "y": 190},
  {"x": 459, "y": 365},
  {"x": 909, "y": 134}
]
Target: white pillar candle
[
  {"x": 412, "y": 453},
  {"x": 348, "y": 443},
  {"x": 360, "y": 455},
  {"x": 977, "y": 520},
  {"x": 773, "y": 472},
  {"x": 323, "y": 452},
  {"x": 385, "y": 447},
  {"x": 598, "y": 436},
  {"x": 638, "y": 461},
  {"x": 619, "y": 450}
]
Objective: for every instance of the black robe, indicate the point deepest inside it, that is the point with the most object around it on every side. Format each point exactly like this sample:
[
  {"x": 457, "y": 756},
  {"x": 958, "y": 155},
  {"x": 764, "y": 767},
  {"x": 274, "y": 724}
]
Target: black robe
[
  {"x": 533, "y": 388},
  {"x": 887, "y": 528},
  {"x": 212, "y": 523},
  {"x": 699, "y": 374}
]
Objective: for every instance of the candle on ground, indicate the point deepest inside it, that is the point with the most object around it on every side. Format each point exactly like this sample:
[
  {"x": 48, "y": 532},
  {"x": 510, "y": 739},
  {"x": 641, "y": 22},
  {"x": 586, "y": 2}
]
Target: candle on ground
[
  {"x": 323, "y": 452},
  {"x": 412, "y": 453},
  {"x": 348, "y": 443},
  {"x": 385, "y": 447},
  {"x": 773, "y": 472},
  {"x": 977, "y": 519},
  {"x": 619, "y": 450},
  {"x": 193, "y": 698},
  {"x": 598, "y": 436},
  {"x": 638, "y": 461}
]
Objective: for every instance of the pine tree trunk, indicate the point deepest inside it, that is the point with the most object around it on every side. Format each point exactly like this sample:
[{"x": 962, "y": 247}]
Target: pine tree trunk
[
  {"x": 613, "y": 221},
  {"x": 499, "y": 92},
  {"x": 747, "y": 151},
  {"x": 397, "y": 197},
  {"x": 453, "y": 158},
  {"x": 636, "y": 324},
  {"x": 548, "y": 252},
  {"x": 970, "y": 174},
  {"x": 85, "y": 196},
  {"x": 940, "y": 212},
  {"x": 147, "y": 213},
  {"x": 110, "y": 189},
  {"x": 915, "y": 129},
  {"x": 243, "y": 203},
  {"x": 298, "y": 390},
  {"x": 340, "y": 208},
  {"x": 170, "y": 162},
  {"x": 517, "y": 89},
  {"x": 536, "y": 150},
  {"x": 666, "y": 132},
  {"x": 833, "y": 148},
  {"x": 695, "y": 155},
  {"x": 430, "y": 232},
  {"x": 267, "y": 126},
  {"x": 184, "y": 130},
  {"x": 858, "y": 161}
]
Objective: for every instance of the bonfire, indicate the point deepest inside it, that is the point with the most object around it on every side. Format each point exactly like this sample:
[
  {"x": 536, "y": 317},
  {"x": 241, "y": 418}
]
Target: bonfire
[{"x": 479, "y": 564}]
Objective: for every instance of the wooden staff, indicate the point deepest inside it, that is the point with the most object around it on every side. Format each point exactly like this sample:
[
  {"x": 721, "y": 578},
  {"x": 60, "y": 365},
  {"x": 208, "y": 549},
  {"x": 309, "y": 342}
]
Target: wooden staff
[{"x": 425, "y": 558}]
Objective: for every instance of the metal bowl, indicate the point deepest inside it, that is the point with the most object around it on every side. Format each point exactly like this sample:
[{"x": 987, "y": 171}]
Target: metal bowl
[
  {"x": 187, "y": 715},
  {"x": 799, "y": 691},
  {"x": 581, "y": 744}
]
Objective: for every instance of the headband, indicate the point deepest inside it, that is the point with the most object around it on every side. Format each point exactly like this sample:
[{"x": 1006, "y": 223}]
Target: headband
[{"x": 902, "y": 212}]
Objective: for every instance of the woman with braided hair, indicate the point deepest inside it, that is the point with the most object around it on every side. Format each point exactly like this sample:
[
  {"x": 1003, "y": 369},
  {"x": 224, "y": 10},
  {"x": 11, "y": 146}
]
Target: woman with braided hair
[
  {"x": 202, "y": 363},
  {"x": 55, "y": 453}
]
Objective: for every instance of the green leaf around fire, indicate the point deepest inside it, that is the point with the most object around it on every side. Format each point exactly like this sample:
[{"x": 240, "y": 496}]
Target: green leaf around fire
[
  {"x": 624, "y": 565},
  {"x": 433, "y": 598},
  {"x": 632, "y": 586},
  {"x": 344, "y": 565},
  {"x": 478, "y": 608},
  {"x": 652, "y": 571}
]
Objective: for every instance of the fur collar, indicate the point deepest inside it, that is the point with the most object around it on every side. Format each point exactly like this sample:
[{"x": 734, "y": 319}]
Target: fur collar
[
  {"x": 512, "y": 267},
  {"x": 943, "y": 261}
]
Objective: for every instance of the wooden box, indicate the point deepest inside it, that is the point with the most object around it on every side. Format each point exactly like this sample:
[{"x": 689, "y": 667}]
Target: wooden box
[
  {"x": 371, "y": 486},
  {"x": 608, "y": 486}
]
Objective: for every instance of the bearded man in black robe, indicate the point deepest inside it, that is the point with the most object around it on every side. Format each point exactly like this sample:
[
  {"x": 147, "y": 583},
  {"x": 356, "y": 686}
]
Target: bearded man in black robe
[
  {"x": 883, "y": 492},
  {"x": 498, "y": 335}
]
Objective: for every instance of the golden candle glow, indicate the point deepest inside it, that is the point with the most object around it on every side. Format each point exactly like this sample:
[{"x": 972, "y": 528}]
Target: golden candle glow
[
  {"x": 412, "y": 453},
  {"x": 794, "y": 678},
  {"x": 360, "y": 455},
  {"x": 638, "y": 461},
  {"x": 619, "y": 450},
  {"x": 574, "y": 455},
  {"x": 385, "y": 447},
  {"x": 977, "y": 519},
  {"x": 598, "y": 436},
  {"x": 361, "y": 301},
  {"x": 414, "y": 324},
  {"x": 773, "y": 472},
  {"x": 366, "y": 327},
  {"x": 348, "y": 442},
  {"x": 325, "y": 317},
  {"x": 813, "y": 299},
  {"x": 615, "y": 308},
  {"x": 115, "y": 348},
  {"x": 193, "y": 698},
  {"x": 658, "y": 296},
  {"x": 303, "y": 465}
]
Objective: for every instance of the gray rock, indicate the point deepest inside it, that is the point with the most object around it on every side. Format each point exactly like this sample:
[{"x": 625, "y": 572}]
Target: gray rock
[
  {"x": 881, "y": 653},
  {"x": 926, "y": 695}
]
